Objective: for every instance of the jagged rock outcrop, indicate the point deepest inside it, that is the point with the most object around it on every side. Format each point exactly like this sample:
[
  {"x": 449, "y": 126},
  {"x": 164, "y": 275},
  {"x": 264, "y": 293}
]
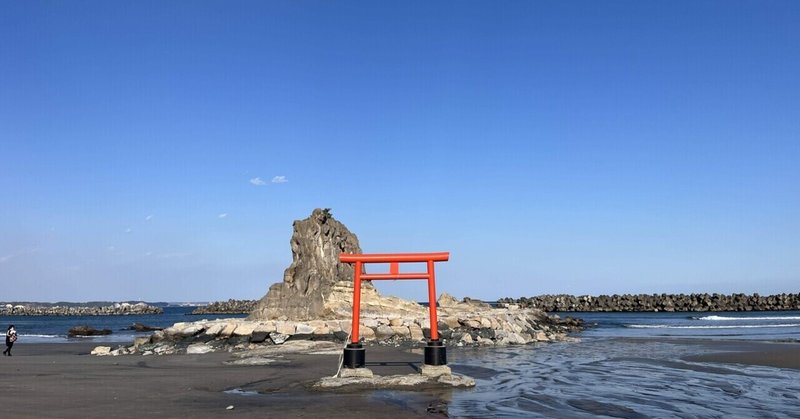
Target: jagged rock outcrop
[{"x": 307, "y": 283}]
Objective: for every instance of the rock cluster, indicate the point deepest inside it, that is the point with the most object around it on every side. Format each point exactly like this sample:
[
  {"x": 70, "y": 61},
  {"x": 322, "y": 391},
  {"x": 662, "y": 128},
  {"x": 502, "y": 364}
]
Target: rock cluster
[
  {"x": 659, "y": 302},
  {"x": 227, "y": 307},
  {"x": 314, "y": 302},
  {"x": 459, "y": 324},
  {"x": 118, "y": 309}
]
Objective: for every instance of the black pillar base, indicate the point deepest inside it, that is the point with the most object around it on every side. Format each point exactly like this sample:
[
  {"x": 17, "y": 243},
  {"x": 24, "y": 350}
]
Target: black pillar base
[
  {"x": 435, "y": 353},
  {"x": 354, "y": 356}
]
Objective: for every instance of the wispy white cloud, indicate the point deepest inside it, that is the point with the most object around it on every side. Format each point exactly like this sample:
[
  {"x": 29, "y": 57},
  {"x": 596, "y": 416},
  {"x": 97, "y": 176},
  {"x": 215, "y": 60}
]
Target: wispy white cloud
[
  {"x": 174, "y": 255},
  {"x": 223, "y": 215},
  {"x": 279, "y": 179},
  {"x": 128, "y": 230},
  {"x": 257, "y": 181},
  {"x": 18, "y": 253},
  {"x": 149, "y": 217}
]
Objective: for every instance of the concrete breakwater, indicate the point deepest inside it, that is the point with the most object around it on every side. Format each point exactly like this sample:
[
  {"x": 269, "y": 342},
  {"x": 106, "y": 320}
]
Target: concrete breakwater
[
  {"x": 227, "y": 307},
  {"x": 659, "y": 302},
  {"x": 118, "y": 309}
]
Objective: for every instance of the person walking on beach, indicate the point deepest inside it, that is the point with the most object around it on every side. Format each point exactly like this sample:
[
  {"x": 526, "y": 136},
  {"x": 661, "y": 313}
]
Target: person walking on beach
[{"x": 11, "y": 337}]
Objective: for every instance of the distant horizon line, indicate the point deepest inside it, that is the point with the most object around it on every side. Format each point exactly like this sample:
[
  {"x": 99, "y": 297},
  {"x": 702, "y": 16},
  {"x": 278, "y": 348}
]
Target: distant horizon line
[{"x": 207, "y": 302}]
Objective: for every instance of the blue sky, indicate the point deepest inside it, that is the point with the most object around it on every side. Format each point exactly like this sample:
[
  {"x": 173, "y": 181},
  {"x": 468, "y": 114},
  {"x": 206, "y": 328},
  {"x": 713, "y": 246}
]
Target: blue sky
[{"x": 161, "y": 150}]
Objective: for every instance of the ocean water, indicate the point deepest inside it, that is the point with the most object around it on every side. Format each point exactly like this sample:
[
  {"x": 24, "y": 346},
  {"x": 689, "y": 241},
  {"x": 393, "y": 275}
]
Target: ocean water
[
  {"x": 53, "y": 329},
  {"x": 752, "y": 325},
  {"x": 631, "y": 365}
]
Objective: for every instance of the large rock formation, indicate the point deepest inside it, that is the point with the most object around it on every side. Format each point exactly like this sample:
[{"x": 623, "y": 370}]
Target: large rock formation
[
  {"x": 314, "y": 302},
  {"x": 307, "y": 283}
]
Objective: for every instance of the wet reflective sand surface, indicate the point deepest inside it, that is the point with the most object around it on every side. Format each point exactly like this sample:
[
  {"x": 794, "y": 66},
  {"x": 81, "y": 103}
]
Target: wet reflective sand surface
[{"x": 626, "y": 377}]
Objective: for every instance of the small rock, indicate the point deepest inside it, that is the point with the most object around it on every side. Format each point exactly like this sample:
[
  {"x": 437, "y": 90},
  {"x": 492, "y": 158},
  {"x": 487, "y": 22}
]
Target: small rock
[
  {"x": 101, "y": 350},
  {"x": 435, "y": 370},
  {"x": 215, "y": 329},
  {"x": 228, "y": 329},
  {"x": 245, "y": 329},
  {"x": 447, "y": 300},
  {"x": 258, "y": 337},
  {"x": 199, "y": 348},
  {"x": 191, "y": 330},
  {"x": 229, "y": 407},
  {"x": 278, "y": 338},
  {"x": 119, "y": 351},
  {"x": 303, "y": 329},
  {"x": 355, "y": 372},
  {"x": 456, "y": 380}
]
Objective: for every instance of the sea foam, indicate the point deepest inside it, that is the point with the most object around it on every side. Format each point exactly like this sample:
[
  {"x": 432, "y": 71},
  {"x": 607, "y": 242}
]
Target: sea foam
[
  {"x": 730, "y": 318},
  {"x": 744, "y": 326}
]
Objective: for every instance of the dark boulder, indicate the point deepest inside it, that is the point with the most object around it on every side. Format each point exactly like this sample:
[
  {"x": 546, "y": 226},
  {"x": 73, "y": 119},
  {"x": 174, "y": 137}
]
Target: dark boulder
[
  {"x": 87, "y": 331},
  {"x": 144, "y": 328}
]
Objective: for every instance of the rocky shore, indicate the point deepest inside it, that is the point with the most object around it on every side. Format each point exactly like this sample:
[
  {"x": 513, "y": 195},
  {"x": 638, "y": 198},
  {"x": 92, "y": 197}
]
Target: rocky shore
[
  {"x": 658, "y": 302},
  {"x": 118, "y": 309},
  {"x": 227, "y": 307},
  {"x": 314, "y": 302},
  {"x": 459, "y": 323}
]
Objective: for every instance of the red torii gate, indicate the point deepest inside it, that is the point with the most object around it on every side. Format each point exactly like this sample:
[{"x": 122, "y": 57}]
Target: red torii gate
[{"x": 354, "y": 353}]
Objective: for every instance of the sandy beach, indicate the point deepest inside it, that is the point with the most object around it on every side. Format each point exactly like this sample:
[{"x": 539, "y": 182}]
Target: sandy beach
[{"x": 64, "y": 381}]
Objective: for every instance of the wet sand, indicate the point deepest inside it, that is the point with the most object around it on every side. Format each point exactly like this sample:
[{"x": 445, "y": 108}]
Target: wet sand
[
  {"x": 63, "y": 381},
  {"x": 770, "y": 354}
]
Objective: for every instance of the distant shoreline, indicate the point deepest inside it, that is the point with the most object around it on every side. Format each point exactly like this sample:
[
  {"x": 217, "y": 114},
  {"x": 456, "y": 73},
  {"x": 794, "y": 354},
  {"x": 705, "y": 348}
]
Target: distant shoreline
[
  {"x": 696, "y": 302},
  {"x": 115, "y": 309}
]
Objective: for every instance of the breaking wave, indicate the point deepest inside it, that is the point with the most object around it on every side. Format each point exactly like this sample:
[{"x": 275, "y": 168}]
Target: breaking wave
[
  {"x": 744, "y": 326},
  {"x": 731, "y": 318}
]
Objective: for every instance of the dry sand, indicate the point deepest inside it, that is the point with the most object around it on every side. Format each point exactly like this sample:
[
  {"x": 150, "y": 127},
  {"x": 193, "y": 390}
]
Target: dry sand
[{"x": 63, "y": 381}]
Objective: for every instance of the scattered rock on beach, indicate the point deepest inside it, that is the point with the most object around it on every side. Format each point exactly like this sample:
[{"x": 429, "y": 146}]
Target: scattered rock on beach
[
  {"x": 101, "y": 350},
  {"x": 199, "y": 348},
  {"x": 87, "y": 331},
  {"x": 144, "y": 328}
]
